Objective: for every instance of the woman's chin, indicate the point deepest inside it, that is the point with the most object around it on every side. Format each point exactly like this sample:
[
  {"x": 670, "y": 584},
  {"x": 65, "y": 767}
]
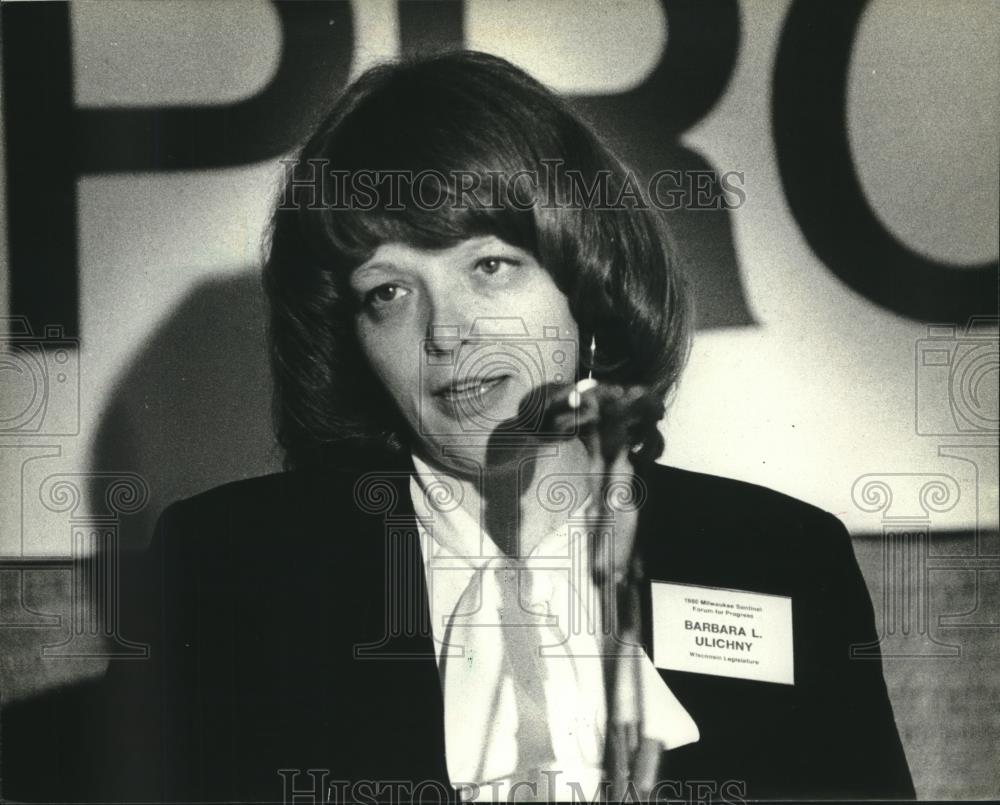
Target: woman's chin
[
  {"x": 487, "y": 436},
  {"x": 473, "y": 455},
  {"x": 464, "y": 453}
]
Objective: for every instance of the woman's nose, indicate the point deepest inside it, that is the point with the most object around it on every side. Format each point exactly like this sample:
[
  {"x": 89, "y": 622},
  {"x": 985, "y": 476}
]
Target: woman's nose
[
  {"x": 456, "y": 314},
  {"x": 449, "y": 320},
  {"x": 442, "y": 340},
  {"x": 445, "y": 334}
]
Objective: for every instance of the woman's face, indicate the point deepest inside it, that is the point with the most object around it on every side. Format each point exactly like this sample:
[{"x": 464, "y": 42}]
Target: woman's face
[{"x": 460, "y": 337}]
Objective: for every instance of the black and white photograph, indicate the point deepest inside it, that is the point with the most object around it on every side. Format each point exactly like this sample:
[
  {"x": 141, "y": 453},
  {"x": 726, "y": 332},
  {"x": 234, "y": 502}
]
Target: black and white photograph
[{"x": 499, "y": 401}]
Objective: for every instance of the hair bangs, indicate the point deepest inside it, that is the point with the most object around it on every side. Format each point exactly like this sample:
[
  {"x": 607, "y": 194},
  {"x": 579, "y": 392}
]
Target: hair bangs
[
  {"x": 429, "y": 159},
  {"x": 351, "y": 236}
]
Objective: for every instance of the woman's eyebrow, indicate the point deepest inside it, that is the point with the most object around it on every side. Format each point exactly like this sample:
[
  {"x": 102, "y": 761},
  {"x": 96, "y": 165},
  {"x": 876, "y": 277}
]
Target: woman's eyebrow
[
  {"x": 373, "y": 268},
  {"x": 488, "y": 242},
  {"x": 488, "y": 249}
]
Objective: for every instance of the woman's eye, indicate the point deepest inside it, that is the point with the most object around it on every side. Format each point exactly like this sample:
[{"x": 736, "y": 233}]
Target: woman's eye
[
  {"x": 492, "y": 265},
  {"x": 383, "y": 295}
]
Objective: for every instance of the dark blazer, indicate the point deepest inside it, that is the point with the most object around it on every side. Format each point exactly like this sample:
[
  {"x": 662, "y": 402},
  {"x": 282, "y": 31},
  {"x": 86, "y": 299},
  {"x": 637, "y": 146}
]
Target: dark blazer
[{"x": 293, "y": 634}]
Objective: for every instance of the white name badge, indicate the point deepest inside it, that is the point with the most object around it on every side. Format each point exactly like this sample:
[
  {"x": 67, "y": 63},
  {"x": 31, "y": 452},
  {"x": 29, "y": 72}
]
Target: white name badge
[{"x": 734, "y": 633}]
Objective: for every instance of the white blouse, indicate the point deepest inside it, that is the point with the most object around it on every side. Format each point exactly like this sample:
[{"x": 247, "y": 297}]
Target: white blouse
[{"x": 518, "y": 648}]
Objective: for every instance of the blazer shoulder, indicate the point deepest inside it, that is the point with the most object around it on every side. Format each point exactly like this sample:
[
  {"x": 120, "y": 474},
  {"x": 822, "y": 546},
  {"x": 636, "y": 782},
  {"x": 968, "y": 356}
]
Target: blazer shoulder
[
  {"x": 720, "y": 532},
  {"x": 337, "y": 483},
  {"x": 718, "y": 496},
  {"x": 709, "y": 517},
  {"x": 298, "y": 507},
  {"x": 245, "y": 499}
]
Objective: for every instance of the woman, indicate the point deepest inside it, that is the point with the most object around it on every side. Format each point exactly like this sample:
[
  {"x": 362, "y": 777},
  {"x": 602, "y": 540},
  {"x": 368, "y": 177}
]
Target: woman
[{"x": 475, "y": 566}]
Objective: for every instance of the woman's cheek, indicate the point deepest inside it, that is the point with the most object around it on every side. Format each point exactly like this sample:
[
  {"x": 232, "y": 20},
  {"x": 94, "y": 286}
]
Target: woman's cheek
[{"x": 393, "y": 353}]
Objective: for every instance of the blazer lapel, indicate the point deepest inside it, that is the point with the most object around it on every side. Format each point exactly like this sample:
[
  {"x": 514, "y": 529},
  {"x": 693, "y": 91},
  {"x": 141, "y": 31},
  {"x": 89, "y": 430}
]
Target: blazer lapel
[{"x": 399, "y": 706}]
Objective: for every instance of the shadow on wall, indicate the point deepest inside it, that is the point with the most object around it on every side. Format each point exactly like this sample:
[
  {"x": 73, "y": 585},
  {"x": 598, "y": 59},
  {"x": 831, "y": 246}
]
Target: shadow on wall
[
  {"x": 190, "y": 412},
  {"x": 193, "y": 409}
]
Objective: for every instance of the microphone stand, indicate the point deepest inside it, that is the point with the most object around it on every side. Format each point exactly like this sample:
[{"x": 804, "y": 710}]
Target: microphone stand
[{"x": 630, "y": 759}]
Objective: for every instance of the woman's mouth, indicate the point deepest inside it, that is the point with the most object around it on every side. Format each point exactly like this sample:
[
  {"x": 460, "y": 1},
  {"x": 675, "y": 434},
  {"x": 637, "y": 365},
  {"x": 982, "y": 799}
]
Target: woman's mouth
[
  {"x": 471, "y": 397},
  {"x": 469, "y": 389}
]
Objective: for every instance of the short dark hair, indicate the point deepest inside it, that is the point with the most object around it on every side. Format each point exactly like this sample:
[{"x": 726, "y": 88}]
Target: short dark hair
[{"x": 472, "y": 114}]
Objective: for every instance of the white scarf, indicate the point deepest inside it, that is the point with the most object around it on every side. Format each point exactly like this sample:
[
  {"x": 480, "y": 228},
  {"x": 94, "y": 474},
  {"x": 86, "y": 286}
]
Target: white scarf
[{"x": 518, "y": 651}]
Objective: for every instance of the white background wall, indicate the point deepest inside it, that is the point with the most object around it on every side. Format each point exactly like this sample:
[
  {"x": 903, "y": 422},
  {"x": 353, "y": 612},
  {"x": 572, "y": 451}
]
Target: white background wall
[{"x": 820, "y": 393}]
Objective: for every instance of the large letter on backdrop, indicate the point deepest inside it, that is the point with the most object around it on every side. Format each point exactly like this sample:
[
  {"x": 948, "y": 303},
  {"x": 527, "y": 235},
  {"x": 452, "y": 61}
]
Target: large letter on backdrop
[
  {"x": 822, "y": 185},
  {"x": 50, "y": 143},
  {"x": 702, "y": 45}
]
